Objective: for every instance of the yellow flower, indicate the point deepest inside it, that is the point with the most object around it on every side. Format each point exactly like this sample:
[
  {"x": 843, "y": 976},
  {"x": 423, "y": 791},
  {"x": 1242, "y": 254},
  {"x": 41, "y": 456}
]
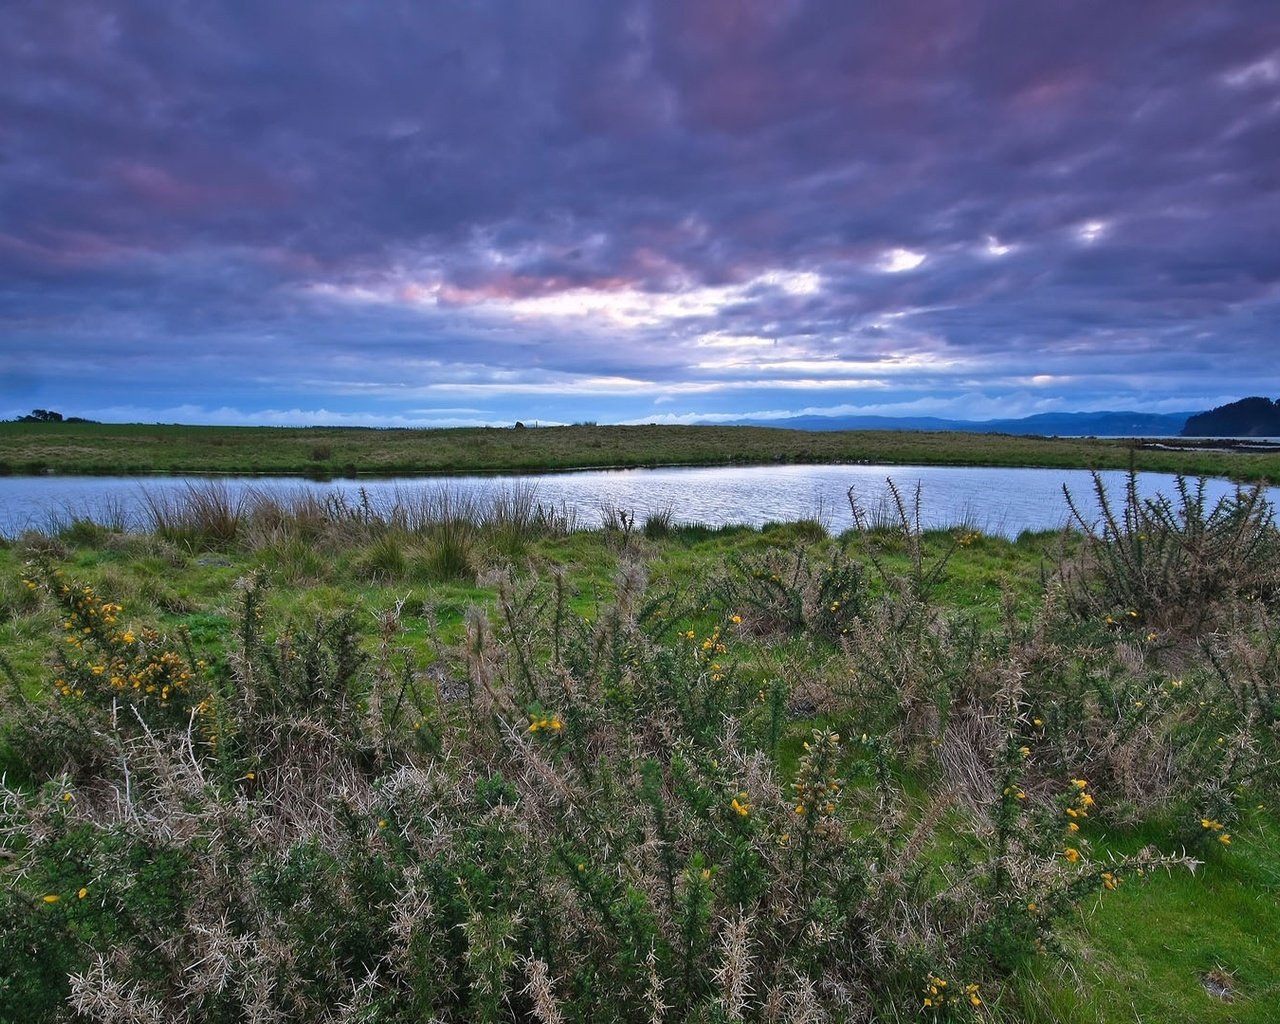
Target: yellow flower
[
  {"x": 52, "y": 898},
  {"x": 382, "y": 823},
  {"x": 736, "y": 619},
  {"x": 1031, "y": 907},
  {"x": 1224, "y": 839},
  {"x": 1024, "y": 751},
  {"x": 741, "y": 806},
  {"x": 82, "y": 894},
  {"x": 1072, "y": 854}
]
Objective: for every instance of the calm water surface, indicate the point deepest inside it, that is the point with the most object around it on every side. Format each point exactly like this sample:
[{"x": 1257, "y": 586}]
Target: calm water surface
[{"x": 996, "y": 501}]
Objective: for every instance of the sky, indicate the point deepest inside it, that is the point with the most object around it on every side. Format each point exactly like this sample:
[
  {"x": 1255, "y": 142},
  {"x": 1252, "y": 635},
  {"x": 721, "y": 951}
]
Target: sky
[{"x": 461, "y": 213}]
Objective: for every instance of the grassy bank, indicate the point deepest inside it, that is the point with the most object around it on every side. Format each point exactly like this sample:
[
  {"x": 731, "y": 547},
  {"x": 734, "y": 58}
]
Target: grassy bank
[
  {"x": 317, "y": 765},
  {"x": 140, "y": 448}
]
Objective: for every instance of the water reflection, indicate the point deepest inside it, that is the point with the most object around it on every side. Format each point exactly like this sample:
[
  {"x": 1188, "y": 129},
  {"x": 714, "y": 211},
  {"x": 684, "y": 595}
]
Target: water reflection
[{"x": 996, "y": 501}]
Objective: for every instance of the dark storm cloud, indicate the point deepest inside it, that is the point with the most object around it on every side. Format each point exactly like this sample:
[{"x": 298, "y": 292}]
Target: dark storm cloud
[{"x": 268, "y": 202}]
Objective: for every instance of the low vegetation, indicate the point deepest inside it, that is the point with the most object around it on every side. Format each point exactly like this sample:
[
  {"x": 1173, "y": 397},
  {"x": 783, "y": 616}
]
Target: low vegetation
[
  {"x": 101, "y": 448},
  {"x": 313, "y": 761}
]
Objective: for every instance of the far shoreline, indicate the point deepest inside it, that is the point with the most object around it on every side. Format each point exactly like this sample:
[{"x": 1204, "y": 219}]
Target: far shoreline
[{"x": 317, "y": 453}]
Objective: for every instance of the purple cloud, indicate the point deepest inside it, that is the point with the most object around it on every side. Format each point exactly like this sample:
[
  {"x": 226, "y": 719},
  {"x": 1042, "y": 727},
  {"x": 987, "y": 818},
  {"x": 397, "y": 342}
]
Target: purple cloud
[{"x": 615, "y": 211}]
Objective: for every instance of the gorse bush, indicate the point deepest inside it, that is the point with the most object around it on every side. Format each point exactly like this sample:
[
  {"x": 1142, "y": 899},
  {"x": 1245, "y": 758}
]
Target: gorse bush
[
  {"x": 1150, "y": 668},
  {"x": 567, "y": 817},
  {"x": 794, "y": 592},
  {"x": 910, "y": 668},
  {"x": 895, "y": 524},
  {"x": 1176, "y": 565}
]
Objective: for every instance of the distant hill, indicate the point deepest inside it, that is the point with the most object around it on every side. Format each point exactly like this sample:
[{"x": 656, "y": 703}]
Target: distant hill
[
  {"x": 1249, "y": 417},
  {"x": 1063, "y": 424}
]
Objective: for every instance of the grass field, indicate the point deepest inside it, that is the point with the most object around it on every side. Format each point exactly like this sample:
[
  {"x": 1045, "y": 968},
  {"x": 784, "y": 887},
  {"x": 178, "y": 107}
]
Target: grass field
[
  {"x": 322, "y": 451},
  {"x": 316, "y": 765}
]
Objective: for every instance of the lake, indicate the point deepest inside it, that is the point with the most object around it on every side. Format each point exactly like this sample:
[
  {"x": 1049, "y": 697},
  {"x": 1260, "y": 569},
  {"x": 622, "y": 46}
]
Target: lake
[{"x": 996, "y": 501}]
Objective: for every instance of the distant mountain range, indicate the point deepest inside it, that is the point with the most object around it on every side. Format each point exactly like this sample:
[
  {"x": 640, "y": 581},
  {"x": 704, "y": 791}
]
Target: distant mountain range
[{"x": 1066, "y": 424}]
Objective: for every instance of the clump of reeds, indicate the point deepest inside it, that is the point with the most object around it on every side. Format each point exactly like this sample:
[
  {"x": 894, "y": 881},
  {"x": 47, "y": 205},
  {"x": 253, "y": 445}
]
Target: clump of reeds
[{"x": 205, "y": 515}]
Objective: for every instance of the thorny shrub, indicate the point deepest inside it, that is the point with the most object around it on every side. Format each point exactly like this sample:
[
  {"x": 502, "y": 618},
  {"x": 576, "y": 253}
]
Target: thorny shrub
[
  {"x": 568, "y": 818},
  {"x": 1178, "y": 566},
  {"x": 795, "y": 591}
]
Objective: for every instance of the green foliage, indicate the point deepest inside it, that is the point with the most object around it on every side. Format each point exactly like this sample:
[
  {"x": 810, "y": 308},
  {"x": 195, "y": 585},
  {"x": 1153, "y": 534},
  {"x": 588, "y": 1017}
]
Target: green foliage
[
  {"x": 900, "y": 525},
  {"x": 580, "y": 806},
  {"x": 1154, "y": 563},
  {"x": 383, "y": 559},
  {"x": 450, "y": 551},
  {"x": 794, "y": 591}
]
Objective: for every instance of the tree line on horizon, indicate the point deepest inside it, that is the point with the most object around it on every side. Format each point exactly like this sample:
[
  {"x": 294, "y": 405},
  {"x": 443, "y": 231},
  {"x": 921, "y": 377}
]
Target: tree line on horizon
[{"x": 50, "y": 416}]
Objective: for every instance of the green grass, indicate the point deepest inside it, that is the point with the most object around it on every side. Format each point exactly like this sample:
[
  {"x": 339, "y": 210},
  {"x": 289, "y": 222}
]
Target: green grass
[
  {"x": 1146, "y": 951},
  {"x": 331, "y": 451}
]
